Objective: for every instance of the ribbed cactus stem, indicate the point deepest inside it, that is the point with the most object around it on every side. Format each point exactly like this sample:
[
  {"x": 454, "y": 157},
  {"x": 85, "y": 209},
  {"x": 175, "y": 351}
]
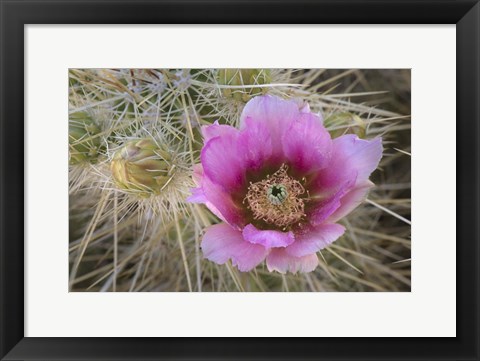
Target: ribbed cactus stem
[
  {"x": 246, "y": 77},
  {"x": 83, "y": 138}
]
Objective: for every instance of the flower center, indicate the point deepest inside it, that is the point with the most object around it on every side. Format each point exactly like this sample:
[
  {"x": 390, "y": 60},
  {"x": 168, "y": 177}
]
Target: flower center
[
  {"x": 277, "y": 200},
  {"x": 277, "y": 194}
]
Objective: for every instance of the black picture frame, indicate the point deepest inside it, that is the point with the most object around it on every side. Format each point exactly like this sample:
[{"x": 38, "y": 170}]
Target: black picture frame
[{"x": 16, "y": 14}]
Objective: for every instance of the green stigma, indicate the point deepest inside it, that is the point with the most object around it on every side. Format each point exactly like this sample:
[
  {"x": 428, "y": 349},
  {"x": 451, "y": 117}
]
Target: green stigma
[{"x": 277, "y": 194}]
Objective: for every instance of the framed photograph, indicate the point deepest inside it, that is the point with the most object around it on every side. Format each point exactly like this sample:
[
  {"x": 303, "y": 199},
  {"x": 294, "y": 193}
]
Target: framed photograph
[{"x": 239, "y": 180}]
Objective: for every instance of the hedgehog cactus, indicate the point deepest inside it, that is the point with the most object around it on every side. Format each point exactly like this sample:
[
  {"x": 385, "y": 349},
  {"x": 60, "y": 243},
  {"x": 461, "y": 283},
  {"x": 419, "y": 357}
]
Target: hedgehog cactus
[
  {"x": 83, "y": 138},
  {"x": 243, "y": 82}
]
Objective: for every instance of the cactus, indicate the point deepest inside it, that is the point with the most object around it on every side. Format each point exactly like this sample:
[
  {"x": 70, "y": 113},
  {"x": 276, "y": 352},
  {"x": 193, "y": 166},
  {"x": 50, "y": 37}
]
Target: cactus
[
  {"x": 241, "y": 82},
  {"x": 83, "y": 138}
]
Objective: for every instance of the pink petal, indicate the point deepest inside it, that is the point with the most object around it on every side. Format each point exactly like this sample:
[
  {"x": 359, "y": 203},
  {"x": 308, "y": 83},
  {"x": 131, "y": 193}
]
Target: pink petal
[
  {"x": 216, "y": 130},
  {"x": 341, "y": 186},
  {"x": 222, "y": 162},
  {"x": 270, "y": 109},
  {"x": 302, "y": 105},
  {"x": 352, "y": 157},
  {"x": 220, "y": 202},
  {"x": 351, "y": 201},
  {"x": 255, "y": 144},
  {"x": 221, "y": 243},
  {"x": 363, "y": 155},
  {"x": 267, "y": 238},
  {"x": 315, "y": 239},
  {"x": 278, "y": 260},
  {"x": 197, "y": 173},
  {"x": 216, "y": 199},
  {"x": 329, "y": 203},
  {"x": 198, "y": 196},
  {"x": 275, "y": 112},
  {"x": 307, "y": 144}
]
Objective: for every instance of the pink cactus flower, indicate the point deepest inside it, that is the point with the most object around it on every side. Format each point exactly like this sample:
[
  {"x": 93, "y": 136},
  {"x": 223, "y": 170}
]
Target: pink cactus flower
[{"x": 279, "y": 184}]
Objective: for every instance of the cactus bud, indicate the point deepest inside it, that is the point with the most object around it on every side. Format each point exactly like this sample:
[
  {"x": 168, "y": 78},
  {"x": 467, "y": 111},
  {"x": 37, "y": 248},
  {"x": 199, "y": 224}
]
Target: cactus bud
[
  {"x": 347, "y": 123},
  {"x": 83, "y": 141},
  {"x": 142, "y": 167},
  {"x": 246, "y": 77}
]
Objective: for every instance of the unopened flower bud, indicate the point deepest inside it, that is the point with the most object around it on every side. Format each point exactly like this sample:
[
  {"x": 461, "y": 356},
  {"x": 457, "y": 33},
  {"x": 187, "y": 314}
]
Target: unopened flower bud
[
  {"x": 346, "y": 123},
  {"x": 141, "y": 166}
]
